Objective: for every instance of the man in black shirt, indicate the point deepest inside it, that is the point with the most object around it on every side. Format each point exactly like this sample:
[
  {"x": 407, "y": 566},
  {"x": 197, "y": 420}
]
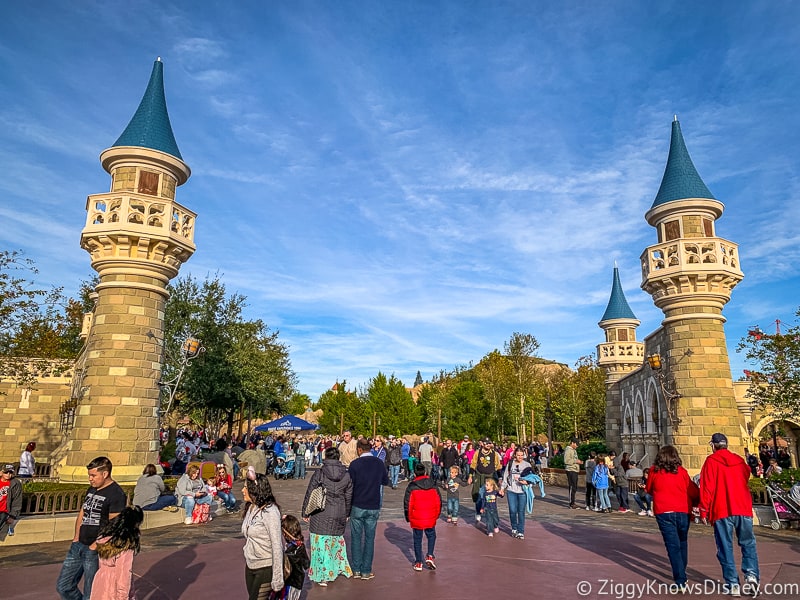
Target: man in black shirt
[{"x": 104, "y": 500}]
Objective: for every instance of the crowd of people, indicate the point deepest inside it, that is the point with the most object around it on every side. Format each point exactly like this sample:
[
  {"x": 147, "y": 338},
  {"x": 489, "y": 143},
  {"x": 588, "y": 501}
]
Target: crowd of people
[{"x": 348, "y": 488}]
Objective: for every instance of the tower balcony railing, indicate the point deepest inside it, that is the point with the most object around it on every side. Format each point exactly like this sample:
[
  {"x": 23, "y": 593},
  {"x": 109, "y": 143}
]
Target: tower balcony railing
[
  {"x": 616, "y": 351},
  {"x": 694, "y": 254},
  {"x": 140, "y": 212}
]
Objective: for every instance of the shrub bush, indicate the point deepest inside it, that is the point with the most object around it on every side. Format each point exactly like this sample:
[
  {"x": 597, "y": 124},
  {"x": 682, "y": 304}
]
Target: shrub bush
[{"x": 786, "y": 479}]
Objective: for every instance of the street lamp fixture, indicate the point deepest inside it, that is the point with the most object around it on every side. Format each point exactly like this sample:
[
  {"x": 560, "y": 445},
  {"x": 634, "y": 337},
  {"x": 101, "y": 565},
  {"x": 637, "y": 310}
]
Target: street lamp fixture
[{"x": 190, "y": 349}]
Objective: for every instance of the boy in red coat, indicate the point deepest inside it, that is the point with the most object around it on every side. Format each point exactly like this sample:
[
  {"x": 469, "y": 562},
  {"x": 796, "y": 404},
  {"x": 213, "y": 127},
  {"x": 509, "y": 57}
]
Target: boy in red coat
[{"x": 422, "y": 505}]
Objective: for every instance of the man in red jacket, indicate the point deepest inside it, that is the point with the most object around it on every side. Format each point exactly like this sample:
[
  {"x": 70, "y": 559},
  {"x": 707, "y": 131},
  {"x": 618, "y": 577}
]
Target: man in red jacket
[
  {"x": 726, "y": 503},
  {"x": 422, "y": 505}
]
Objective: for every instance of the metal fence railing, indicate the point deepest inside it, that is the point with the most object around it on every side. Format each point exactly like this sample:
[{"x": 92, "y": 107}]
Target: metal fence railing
[{"x": 54, "y": 503}]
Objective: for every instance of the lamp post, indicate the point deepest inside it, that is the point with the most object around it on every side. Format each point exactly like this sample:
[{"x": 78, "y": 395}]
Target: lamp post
[
  {"x": 190, "y": 349},
  {"x": 548, "y": 417}
]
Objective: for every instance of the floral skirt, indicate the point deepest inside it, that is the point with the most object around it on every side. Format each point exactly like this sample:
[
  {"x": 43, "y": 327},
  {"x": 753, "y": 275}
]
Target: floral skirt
[{"x": 328, "y": 558}]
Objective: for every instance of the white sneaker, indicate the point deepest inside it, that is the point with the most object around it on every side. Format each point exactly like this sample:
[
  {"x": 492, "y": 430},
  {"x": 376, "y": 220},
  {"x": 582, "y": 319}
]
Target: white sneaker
[
  {"x": 588, "y": 508},
  {"x": 478, "y": 518},
  {"x": 187, "y": 521},
  {"x": 735, "y": 590},
  {"x": 513, "y": 533},
  {"x": 650, "y": 513},
  {"x": 642, "y": 513},
  {"x": 491, "y": 534},
  {"x": 751, "y": 587}
]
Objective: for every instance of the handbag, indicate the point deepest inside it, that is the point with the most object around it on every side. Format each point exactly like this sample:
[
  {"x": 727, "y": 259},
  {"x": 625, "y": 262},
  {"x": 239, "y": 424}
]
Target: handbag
[
  {"x": 201, "y": 513},
  {"x": 316, "y": 500}
]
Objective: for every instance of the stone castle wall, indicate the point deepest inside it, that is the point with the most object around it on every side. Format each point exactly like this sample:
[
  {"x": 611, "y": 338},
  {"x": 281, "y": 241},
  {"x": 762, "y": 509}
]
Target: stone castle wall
[{"x": 31, "y": 416}]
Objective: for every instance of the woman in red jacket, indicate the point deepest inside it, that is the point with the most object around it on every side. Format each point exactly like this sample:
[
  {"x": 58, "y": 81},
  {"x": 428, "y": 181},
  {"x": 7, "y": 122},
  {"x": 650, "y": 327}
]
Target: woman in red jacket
[
  {"x": 422, "y": 505},
  {"x": 674, "y": 494}
]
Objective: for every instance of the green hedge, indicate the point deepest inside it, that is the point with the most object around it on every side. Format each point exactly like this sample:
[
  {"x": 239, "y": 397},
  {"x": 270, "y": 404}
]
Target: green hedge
[{"x": 557, "y": 462}]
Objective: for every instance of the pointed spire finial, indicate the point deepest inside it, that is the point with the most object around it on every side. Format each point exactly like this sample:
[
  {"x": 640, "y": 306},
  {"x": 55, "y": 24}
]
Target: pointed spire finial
[
  {"x": 675, "y": 118},
  {"x": 150, "y": 127},
  {"x": 681, "y": 179},
  {"x": 158, "y": 58},
  {"x": 618, "y": 307}
]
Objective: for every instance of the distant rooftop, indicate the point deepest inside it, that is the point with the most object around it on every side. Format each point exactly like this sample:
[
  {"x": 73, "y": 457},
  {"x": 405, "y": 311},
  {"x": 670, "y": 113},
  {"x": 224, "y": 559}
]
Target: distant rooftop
[
  {"x": 617, "y": 305},
  {"x": 150, "y": 126},
  {"x": 681, "y": 179}
]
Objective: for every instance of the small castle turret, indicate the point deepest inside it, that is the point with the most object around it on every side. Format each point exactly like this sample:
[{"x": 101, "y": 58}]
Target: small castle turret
[{"x": 620, "y": 353}]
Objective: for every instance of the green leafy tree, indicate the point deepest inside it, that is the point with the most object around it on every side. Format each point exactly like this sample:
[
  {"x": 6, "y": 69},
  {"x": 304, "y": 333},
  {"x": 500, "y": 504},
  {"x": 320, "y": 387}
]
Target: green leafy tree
[
  {"x": 495, "y": 372},
  {"x": 36, "y": 325},
  {"x": 389, "y": 404},
  {"x": 341, "y": 410},
  {"x": 521, "y": 350},
  {"x": 298, "y": 403},
  {"x": 244, "y": 368},
  {"x": 467, "y": 410},
  {"x": 775, "y": 382}
]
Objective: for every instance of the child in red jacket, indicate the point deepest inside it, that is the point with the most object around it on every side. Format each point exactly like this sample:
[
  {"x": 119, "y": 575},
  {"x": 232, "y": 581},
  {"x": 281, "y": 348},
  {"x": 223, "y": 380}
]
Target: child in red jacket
[{"x": 422, "y": 505}]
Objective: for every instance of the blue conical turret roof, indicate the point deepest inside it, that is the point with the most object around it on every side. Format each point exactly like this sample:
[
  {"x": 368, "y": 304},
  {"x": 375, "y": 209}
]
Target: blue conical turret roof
[
  {"x": 150, "y": 126},
  {"x": 681, "y": 180},
  {"x": 617, "y": 305}
]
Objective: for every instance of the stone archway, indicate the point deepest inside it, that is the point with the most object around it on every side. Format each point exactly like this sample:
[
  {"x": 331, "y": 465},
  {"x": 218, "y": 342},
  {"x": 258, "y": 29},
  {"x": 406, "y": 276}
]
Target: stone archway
[{"x": 789, "y": 430}]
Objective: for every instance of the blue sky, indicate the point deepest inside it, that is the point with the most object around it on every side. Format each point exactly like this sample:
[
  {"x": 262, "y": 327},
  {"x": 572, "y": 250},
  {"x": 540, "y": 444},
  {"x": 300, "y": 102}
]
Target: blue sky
[{"x": 399, "y": 186}]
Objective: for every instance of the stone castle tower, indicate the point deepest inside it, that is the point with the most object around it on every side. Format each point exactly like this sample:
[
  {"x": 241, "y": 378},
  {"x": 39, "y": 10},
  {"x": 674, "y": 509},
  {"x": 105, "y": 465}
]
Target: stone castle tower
[
  {"x": 620, "y": 354},
  {"x": 138, "y": 236},
  {"x": 683, "y": 392}
]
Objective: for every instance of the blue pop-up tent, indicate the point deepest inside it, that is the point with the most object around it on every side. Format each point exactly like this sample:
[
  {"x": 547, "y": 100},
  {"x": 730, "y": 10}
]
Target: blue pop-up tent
[{"x": 287, "y": 423}]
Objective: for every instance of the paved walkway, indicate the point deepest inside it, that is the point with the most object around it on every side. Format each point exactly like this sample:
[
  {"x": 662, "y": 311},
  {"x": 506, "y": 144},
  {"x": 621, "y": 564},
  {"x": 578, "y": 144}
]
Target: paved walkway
[{"x": 609, "y": 556}]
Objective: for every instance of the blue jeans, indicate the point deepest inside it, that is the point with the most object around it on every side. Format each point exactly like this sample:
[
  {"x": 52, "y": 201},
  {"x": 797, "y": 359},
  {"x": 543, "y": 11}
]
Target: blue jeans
[
  {"x": 394, "y": 475},
  {"x": 431, "y": 535},
  {"x": 602, "y": 498},
  {"x": 491, "y": 517},
  {"x": 516, "y": 510},
  {"x": 723, "y": 536},
  {"x": 362, "y": 538},
  {"x": 452, "y": 507},
  {"x": 189, "y": 502},
  {"x": 162, "y": 502},
  {"x": 227, "y": 499},
  {"x": 300, "y": 468},
  {"x": 645, "y": 503},
  {"x": 80, "y": 562},
  {"x": 675, "y": 531}
]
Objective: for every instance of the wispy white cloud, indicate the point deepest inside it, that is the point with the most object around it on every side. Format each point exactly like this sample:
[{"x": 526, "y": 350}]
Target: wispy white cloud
[{"x": 401, "y": 189}]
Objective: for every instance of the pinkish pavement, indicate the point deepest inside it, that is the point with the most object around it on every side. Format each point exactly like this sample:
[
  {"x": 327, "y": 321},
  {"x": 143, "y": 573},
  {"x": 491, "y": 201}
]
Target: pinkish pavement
[{"x": 565, "y": 554}]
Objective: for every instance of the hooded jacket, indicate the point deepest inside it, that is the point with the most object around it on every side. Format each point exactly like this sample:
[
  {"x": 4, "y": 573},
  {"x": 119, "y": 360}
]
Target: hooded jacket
[
  {"x": 339, "y": 488},
  {"x": 422, "y": 503},
  {"x": 723, "y": 487}
]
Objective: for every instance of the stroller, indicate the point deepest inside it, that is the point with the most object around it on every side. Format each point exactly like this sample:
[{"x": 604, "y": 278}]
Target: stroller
[
  {"x": 284, "y": 469},
  {"x": 785, "y": 505}
]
